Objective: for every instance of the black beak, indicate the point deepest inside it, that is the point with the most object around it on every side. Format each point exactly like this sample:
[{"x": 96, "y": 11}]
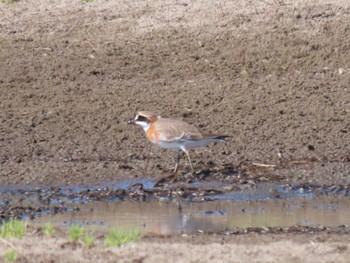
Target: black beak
[{"x": 131, "y": 122}]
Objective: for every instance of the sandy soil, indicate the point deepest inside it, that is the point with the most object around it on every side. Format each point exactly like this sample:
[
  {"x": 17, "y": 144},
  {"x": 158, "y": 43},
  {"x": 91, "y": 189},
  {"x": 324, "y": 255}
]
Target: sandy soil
[
  {"x": 272, "y": 74},
  {"x": 195, "y": 248}
]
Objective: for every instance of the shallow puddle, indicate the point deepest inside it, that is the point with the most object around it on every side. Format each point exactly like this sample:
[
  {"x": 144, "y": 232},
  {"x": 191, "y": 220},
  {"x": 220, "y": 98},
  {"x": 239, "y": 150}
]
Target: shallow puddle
[
  {"x": 202, "y": 207},
  {"x": 213, "y": 216}
]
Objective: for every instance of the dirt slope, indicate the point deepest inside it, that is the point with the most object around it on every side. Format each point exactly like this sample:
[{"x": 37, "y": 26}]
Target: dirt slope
[{"x": 273, "y": 75}]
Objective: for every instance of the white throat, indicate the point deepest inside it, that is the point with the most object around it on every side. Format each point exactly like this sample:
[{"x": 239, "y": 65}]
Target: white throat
[{"x": 143, "y": 124}]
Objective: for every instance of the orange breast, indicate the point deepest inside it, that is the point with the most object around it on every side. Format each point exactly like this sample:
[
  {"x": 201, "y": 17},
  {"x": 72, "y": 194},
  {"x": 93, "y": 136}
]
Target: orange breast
[{"x": 152, "y": 134}]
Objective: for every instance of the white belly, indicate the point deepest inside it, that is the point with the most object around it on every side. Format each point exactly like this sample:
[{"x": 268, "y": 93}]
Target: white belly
[{"x": 186, "y": 144}]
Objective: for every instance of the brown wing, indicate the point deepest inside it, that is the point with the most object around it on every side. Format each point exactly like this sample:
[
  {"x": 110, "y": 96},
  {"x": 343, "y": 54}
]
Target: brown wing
[{"x": 170, "y": 130}]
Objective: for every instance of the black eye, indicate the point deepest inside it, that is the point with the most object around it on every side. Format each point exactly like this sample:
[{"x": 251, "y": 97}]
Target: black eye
[{"x": 142, "y": 118}]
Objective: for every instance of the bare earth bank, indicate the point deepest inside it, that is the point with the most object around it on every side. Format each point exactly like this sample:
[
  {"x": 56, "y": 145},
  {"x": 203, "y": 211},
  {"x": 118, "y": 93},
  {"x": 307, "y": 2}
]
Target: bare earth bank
[{"x": 272, "y": 74}]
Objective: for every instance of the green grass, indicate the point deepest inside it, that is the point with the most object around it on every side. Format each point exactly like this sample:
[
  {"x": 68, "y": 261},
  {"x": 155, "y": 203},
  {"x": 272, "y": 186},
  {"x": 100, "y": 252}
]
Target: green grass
[
  {"x": 10, "y": 256},
  {"x": 8, "y": 1},
  {"x": 13, "y": 229},
  {"x": 117, "y": 237},
  {"x": 75, "y": 232},
  {"x": 49, "y": 230},
  {"x": 89, "y": 240}
]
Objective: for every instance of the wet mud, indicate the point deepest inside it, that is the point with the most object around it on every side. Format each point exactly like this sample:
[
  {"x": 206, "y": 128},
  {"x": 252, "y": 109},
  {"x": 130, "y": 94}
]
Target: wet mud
[{"x": 183, "y": 208}]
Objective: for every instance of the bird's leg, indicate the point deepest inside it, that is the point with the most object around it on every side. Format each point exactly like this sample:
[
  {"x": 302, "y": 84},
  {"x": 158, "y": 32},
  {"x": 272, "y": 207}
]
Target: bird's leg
[
  {"x": 177, "y": 159},
  {"x": 189, "y": 159}
]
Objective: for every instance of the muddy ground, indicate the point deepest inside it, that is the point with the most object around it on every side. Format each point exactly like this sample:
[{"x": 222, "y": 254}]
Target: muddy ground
[{"x": 274, "y": 75}]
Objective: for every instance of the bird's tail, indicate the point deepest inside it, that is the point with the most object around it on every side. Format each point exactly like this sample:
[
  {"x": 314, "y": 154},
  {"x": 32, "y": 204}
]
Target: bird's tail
[
  {"x": 218, "y": 137},
  {"x": 222, "y": 138}
]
